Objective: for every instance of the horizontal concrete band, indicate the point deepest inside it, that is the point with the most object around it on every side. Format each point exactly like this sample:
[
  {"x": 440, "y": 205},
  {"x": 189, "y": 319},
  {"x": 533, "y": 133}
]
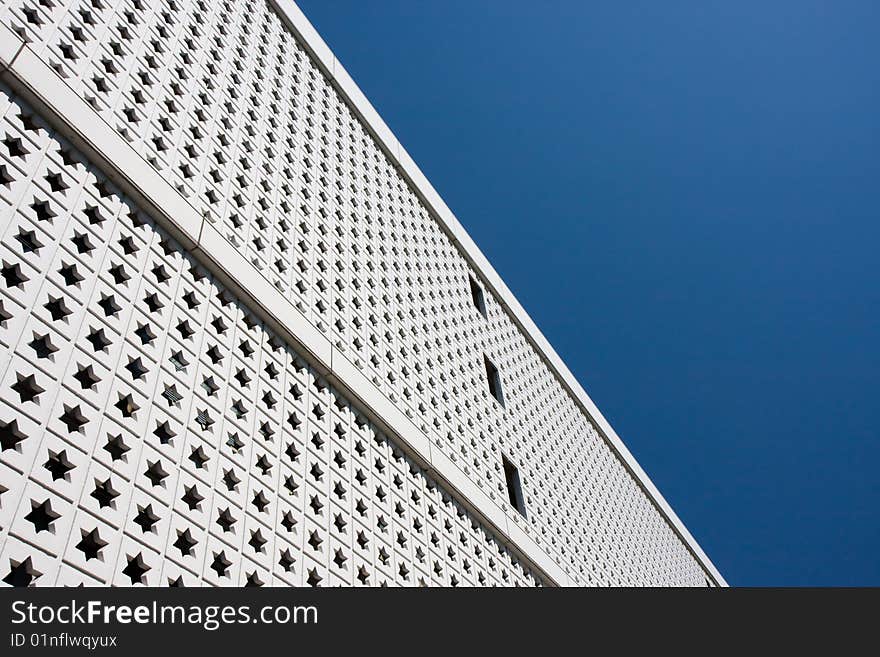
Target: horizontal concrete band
[
  {"x": 333, "y": 69},
  {"x": 36, "y": 82}
]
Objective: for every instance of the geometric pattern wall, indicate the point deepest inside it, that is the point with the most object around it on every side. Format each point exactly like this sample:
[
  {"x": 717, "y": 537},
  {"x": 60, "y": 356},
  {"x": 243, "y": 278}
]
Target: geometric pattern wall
[{"x": 155, "y": 431}]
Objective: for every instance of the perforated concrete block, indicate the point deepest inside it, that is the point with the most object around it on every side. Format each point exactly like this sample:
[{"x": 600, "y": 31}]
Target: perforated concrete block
[{"x": 238, "y": 348}]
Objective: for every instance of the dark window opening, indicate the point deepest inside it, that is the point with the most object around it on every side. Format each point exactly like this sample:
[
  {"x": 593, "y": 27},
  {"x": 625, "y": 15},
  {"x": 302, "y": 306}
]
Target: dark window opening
[
  {"x": 514, "y": 487},
  {"x": 477, "y": 296},
  {"x": 494, "y": 381}
]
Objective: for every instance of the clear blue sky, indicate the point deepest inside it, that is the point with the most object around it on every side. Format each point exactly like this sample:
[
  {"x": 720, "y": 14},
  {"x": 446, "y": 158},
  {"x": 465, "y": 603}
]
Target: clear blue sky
[{"x": 685, "y": 196}]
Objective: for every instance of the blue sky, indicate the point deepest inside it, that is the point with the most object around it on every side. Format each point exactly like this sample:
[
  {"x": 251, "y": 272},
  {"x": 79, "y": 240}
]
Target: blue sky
[{"x": 686, "y": 198}]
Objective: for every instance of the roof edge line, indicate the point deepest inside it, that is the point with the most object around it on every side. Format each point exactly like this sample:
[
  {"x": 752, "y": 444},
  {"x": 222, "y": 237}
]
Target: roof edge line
[{"x": 303, "y": 29}]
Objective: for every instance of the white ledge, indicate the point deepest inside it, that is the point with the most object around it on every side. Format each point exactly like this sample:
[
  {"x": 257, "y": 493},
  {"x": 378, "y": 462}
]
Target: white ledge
[
  {"x": 10, "y": 45},
  {"x": 333, "y": 69}
]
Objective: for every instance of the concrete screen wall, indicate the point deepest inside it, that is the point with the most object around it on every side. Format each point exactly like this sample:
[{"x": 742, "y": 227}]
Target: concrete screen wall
[{"x": 246, "y": 342}]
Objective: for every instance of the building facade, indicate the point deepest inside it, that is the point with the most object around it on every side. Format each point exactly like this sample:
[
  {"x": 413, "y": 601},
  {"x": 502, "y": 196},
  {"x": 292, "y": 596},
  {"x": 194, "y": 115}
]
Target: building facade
[{"x": 244, "y": 342}]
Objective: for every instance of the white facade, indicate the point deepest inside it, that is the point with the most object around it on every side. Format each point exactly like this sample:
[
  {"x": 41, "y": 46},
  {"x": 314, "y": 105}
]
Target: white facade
[{"x": 240, "y": 341}]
